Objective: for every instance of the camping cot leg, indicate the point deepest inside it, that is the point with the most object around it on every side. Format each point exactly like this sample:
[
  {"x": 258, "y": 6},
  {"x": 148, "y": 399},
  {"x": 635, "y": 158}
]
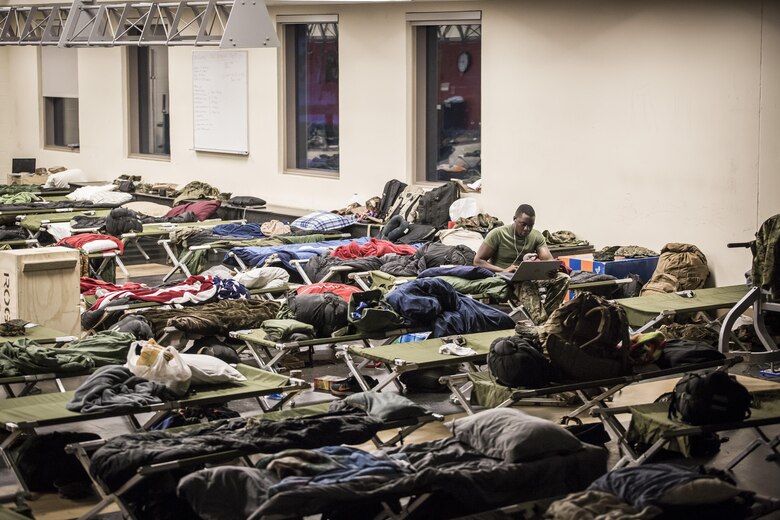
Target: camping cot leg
[
  {"x": 731, "y": 317},
  {"x": 60, "y": 386},
  {"x": 356, "y": 373},
  {"x": 115, "y": 497},
  {"x": 763, "y": 440},
  {"x": 177, "y": 264},
  {"x": 617, "y": 432},
  {"x": 361, "y": 282},
  {"x": 257, "y": 357},
  {"x": 152, "y": 420},
  {"x": 140, "y": 249},
  {"x": 457, "y": 391},
  {"x": 595, "y": 401},
  {"x": 81, "y": 454},
  {"x": 628, "y": 460},
  {"x": 650, "y": 324},
  {"x": 5, "y": 450},
  {"x": 9, "y": 392},
  {"x": 121, "y": 266},
  {"x": 133, "y": 422}
]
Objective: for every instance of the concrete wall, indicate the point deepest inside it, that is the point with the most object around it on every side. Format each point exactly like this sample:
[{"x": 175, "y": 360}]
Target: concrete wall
[{"x": 626, "y": 122}]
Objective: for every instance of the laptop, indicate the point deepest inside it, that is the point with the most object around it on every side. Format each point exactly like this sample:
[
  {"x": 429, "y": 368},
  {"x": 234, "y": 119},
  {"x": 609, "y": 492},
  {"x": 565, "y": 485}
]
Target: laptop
[{"x": 534, "y": 270}]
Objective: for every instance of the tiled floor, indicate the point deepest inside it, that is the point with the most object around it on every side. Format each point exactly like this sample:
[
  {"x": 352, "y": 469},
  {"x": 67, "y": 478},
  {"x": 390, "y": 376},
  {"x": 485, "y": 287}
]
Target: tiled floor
[{"x": 754, "y": 473}]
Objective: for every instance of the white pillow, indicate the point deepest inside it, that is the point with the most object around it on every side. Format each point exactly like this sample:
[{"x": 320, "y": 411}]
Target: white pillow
[
  {"x": 210, "y": 370},
  {"x": 151, "y": 209},
  {"x": 99, "y": 245},
  {"x": 116, "y": 198},
  {"x": 86, "y": 192},
  {"x": 261, "y": 277},
  {"x": 62, "y": 179}
]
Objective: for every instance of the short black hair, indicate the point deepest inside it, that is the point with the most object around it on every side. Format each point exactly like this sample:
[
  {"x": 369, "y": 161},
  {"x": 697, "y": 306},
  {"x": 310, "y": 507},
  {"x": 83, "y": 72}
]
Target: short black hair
[{"x": 525, "y": 208}]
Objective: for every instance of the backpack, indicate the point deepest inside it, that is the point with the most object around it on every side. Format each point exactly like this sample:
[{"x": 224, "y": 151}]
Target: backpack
[
  {"x": 370, "y": 313},
  {"x": 678, "y": 352},
  {"x": 390, "y": 193},
  {"x": 406, "y": 204},
  {"x": 434, "y": 206},
  {"x": 587, "y": 338},
  {"x": 709, "y": 398},
  {"x": 517, "y": 364},
  {"x": 680, "y": 267}
]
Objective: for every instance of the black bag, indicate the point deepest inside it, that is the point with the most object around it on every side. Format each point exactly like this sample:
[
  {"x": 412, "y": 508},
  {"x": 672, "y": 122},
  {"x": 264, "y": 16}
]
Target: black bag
[
  {"x": 434, "y": 206},
  {"x": 368, "y": 312},
  {"x": 45, "y": 466},
  {"x": 427, "y": 380},
  {"x": 392, "y": 189},
  {"x": 417, "y": 233},
  {"x": 709, "y": 398},
  {"x": 246, "y": 201},
  {"x": 515, "y": 363},
  {"x": 678, "y": 352}
]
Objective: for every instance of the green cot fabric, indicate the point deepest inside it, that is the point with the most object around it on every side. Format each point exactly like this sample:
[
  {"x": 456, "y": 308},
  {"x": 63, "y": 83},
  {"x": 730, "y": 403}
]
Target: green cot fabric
[
  {"x": 39, "y": 334},
  {"x": 642, "y": 309},
  {"x": 280, "y": 330},
  {"x": 298, "y": 411},
  {"x": 496, "y": 288},
  {"x": 26, "y": 357},
  {"x": 33, "y": 222},
  {"x": 107, "y": 347},
  {"x": 486, "y": 391},
  {"x": 49, "y": 409},
  {"x": 24, "y": 197},
  {"x": 649, "y": 422},
  {"x": 426, "y": 353},
  {"x": 7, "y": 514},
  {"x": 386, "y": 282}
]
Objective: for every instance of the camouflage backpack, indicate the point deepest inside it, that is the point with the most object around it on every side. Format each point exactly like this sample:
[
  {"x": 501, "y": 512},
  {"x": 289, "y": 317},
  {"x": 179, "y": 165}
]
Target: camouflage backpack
[{"x": 587, "y": 338}]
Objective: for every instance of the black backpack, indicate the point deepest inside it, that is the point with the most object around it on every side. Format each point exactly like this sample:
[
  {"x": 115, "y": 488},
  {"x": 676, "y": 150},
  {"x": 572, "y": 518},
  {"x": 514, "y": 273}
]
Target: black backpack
[
  {"x": 434, "y": 206},
  {"x": 517, "y": 364},
  {"x": 680, "y": 352},
  {"x": 390, "y": 193},
  {"x": 709, "y": 398}
]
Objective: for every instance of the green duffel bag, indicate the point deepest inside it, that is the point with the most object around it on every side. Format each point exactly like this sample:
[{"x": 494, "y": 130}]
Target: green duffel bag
[{"x": 369, "y": 313}]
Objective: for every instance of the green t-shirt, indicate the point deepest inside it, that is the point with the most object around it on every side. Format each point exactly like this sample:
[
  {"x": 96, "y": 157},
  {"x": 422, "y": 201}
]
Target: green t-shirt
[{"x": 509, "y": 249}]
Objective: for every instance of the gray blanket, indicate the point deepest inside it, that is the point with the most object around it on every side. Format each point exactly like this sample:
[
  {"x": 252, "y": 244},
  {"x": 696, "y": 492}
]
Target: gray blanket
[{"x": 113, "y": 388}]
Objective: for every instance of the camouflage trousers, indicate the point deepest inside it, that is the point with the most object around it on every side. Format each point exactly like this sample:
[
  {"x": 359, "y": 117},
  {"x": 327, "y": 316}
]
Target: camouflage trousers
[{"x": 529, "y": 295}]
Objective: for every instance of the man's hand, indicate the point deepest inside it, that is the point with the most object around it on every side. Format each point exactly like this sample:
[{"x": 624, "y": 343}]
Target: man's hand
[
  {"x": 511, "y": 269},
  {"x": 529, "y": 257}
]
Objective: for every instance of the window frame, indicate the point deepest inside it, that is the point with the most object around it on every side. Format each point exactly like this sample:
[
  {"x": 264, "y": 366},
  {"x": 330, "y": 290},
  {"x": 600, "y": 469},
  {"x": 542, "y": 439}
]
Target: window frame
[
  {"x": 287, "y": 109},
  {"x": 419, "y": 93}
]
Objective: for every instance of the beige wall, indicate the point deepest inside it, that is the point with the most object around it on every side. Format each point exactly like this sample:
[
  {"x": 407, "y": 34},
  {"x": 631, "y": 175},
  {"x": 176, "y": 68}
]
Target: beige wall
[
  {"x": 5, "y": 121},
  {"x": 626, "y": 122}
]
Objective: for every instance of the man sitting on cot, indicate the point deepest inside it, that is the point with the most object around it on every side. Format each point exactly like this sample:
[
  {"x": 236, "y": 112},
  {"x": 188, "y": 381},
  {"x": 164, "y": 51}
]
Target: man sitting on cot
[{"x": 505, "y": 247}]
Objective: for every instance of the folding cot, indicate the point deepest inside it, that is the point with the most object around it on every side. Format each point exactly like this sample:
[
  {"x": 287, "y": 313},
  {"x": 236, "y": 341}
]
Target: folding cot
[
  {"x": 646, "y": 312},
  {"x": 42, "y": 335},
  {"x": 445, "y": 478},
  {"x": 254, "y": 256},
  {"x": 164, "y": 229},
  {"x": 35, "y": 223},
  {"x": 192, "y": 254},
  {"x": 659, "y": 431},
  {"x": 259, "y": 345},
  {"x": 398, "y": 358},
  {"x": 760, "y": 302},
  {"x": 24, "y": 415},
  {"x": 114, "y": 492},
  {"x": 487, "y": 392}
]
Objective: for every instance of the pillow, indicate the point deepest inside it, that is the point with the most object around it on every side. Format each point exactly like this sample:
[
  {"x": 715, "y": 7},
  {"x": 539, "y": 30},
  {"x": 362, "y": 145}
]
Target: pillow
[
  {"x": 210, "y": 370},
  {"x": 245, "y": 201},
  {"x": 385, "y": 406},
  {"x": 99, "y": 245},
  {"x": 151, "y": 209},
  {"x": 700, "y": 491},
  {"x": 114, "y": 198},
  {"x": 203, "y": 209},
  {"x": 87, "y": 192},
  {"x": 513, "y": 436},
  {"x": 61, "y": 179}
]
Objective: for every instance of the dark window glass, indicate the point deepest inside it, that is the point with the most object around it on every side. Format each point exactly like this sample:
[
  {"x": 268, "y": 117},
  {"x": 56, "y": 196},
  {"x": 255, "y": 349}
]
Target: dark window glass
[
  {"x": 314, "y": 53},
  {"x": 62, "y": 121},
  {"x": 452, "y": 126},
  {"x": 150, "y": 123}
]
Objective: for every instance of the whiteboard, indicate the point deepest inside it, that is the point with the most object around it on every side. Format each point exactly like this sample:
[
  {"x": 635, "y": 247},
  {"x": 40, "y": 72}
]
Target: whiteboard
[{"x": 219, "y": 101}]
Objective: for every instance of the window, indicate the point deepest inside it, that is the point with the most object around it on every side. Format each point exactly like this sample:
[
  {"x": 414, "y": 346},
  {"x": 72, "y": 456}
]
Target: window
[
  {"x": 448, "y": 98},
  {"x": 60, "y": 92},
  {"x": 149, "y": 101},
  {"x": 312, "y": 103}
]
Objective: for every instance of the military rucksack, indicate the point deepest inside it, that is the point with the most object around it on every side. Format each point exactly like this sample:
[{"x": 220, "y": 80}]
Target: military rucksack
[
  {"x": 587, "y": 338},
  {"x": 390, "y": 193},
  {"x": 406, "y": 204},
  {"x": 434, "y": 206},
  {"x": 370, "y": 313},
  {"x": 709, "y": 398}
]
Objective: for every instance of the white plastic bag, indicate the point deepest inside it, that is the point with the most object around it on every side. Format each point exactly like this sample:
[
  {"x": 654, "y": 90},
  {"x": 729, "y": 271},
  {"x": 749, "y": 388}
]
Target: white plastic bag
[{"x": 162, "y": 365}]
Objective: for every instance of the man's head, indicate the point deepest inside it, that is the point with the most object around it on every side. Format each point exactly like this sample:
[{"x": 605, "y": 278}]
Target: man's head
[{"x": 524, "y": 220}]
